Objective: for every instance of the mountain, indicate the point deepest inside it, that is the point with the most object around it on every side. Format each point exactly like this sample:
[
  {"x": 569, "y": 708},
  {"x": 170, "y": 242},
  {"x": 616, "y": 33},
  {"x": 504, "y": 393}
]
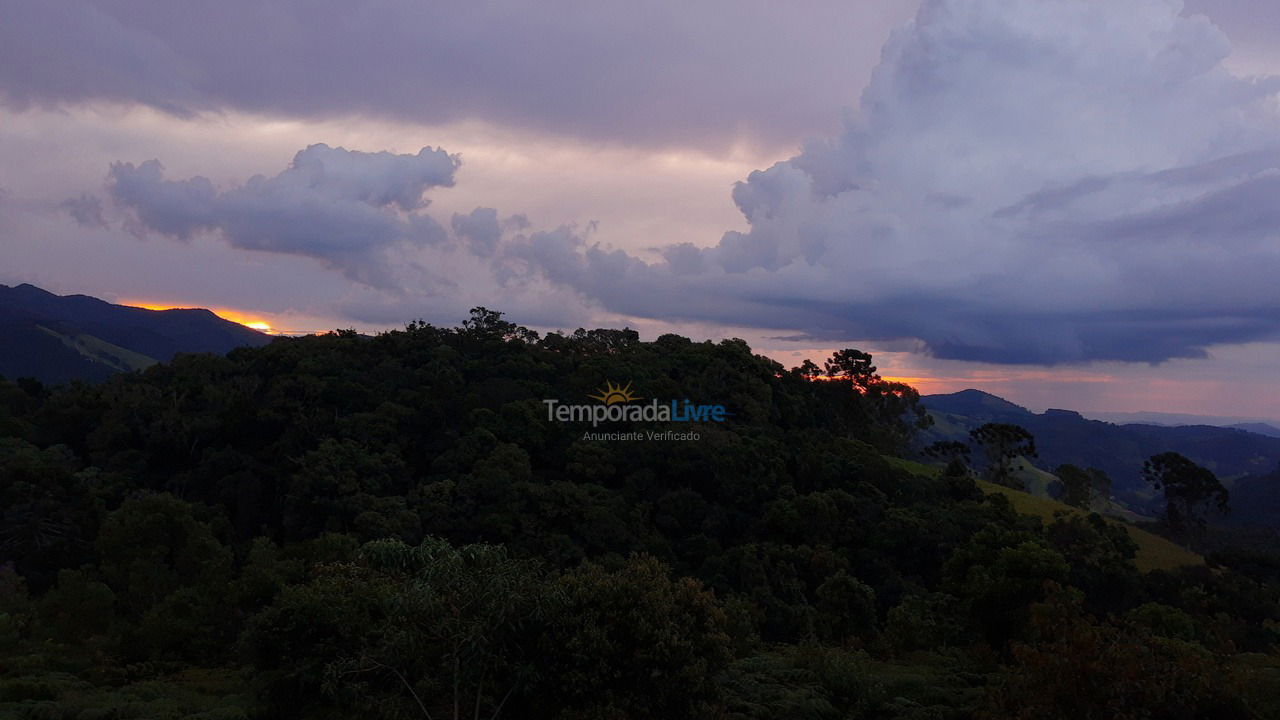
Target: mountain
[
  {"x": 57, "y": 338},
  {"x": 1065, "y": 436},
  {"x": 1257, "y": 427},
  {"x": 977, "y": 405},
  {"x": 1164, "y": 418}
]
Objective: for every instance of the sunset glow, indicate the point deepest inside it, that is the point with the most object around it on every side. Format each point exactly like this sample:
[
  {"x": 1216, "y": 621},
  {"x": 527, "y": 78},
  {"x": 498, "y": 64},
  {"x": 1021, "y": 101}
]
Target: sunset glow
[
  {"x": 242, "y": 317},
  {"x": 720, "y": 199},
  {"x": 833, "y": 358}
]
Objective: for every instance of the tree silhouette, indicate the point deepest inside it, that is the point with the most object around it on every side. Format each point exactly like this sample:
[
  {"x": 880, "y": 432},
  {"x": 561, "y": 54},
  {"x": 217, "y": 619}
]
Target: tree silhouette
[
  {"x": 1190, "y": 492},
  {"x": 1002, "y": 443},
  {"x": 1080, "y": 487}
]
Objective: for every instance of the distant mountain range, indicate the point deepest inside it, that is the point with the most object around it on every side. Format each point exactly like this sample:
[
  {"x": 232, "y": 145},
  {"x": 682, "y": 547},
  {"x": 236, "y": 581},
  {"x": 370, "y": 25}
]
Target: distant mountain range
[
  {"x": 1257, "y": 427},
  {"x": 1244, "y": 459},
  {"x": 57, "y": 338},
  {"x": 1261, "y": 426}
]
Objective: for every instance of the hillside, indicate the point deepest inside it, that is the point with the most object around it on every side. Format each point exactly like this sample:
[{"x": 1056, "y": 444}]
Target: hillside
[
  {"x": 398, "y": 525},
  {"x": 56, "y": 338},
  {"x": 1153, "y": 551},
  {"x": 1064, "y": 436},
  {"x": 1257, "y": 501},
  {"x": 1257, "y": 427}
]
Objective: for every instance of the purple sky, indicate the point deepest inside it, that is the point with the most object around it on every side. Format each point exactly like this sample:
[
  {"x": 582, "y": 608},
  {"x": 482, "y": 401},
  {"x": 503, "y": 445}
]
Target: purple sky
[{"x": 1068, "y": 202}]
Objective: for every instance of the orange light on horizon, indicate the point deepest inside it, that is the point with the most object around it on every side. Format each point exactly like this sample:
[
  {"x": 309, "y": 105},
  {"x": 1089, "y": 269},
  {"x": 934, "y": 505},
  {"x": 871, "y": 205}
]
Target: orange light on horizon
[
  {"x": 908, "y": 380},
  {"x": 252, "y": 321}
]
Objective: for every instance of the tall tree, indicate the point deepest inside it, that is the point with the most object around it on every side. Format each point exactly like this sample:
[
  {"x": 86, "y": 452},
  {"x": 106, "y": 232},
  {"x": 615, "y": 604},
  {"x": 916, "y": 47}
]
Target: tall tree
[
  {"x": 1191, "y": 492},
  {"x": 890, "y": 411},
  {"x": 853, "y": 364},
  {"x": 1002, "y": 443},
  {"x": 1081, "y": 487}
]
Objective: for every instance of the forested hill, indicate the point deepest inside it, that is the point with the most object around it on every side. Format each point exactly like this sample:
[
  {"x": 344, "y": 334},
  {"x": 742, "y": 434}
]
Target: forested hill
[
  {"x": 58, "y": 338},
  {"x": 391, "y": 526},
  {"x": 1065, "y": 437}
]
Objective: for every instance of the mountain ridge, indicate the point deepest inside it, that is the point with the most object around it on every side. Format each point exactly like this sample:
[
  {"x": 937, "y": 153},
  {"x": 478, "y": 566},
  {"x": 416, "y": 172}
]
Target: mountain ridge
[
  {"x": 59, "y": 338},
  {"x": 1067, "y": 437},
  {"x": 1147, "y": 417}
]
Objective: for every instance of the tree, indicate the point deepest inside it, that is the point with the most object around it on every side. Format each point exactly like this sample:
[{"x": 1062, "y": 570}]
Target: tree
[
  {"x": 1191, "y": 492},
  {"x": 887, "y": 413},
  {"x": 948, "y": 451},
  {"x": 1080, "y": 668},
  {"x": 807, "y": 369},
  {"x": 155, "y": 544},
  {"x": 432, "y": 631},
  {"x": 1002, "y": 443},
  {"x": 486, "y": 324},
  {"x": 853, "y": 364},
  {"x": 76, "y": 609},
  {"x": 634, "y": 643},
  {"x": 846, "y": 608},
  {"x": 1080, "y": 487},
  {"x": 1001, "y": 574}
]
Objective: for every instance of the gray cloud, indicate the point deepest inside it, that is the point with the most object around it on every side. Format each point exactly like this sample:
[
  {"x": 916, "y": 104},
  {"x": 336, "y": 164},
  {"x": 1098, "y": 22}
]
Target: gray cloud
[
  {"x": 664, "y": 72},
  {"x": 480, "y": 228},
  {"x": 343, "y": 207},
  {"x": 86, "y": 210},
  {"x": 364, "y": 215},
  {"x": 1028, "y": 182}
]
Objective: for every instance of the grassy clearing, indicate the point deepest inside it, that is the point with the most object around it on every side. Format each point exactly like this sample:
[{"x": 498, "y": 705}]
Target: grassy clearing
[
  {"x": 1154, "y": 552},
  {"x": 100, "y": 350}
]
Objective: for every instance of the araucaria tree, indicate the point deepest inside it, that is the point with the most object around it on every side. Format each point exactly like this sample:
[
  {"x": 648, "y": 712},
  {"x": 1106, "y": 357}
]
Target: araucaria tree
[
  {"x": 1080, "y": 487},
  {"x": 891, "y": 410},
  {"x": 1002, "y": 443},
  {"x": 1191, "y": 492}
]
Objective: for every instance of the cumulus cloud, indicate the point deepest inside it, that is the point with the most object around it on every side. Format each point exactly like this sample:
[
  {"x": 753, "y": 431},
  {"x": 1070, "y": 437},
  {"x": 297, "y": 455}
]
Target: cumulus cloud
[
  {"x": 365, "y": 215},
  {"x": 1027, "y": 181},
  {"x": 346, "y": 208},
  {"x": 480, "y": 228}
]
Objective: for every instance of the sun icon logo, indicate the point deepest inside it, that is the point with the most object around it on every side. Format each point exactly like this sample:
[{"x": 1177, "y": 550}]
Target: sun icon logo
[{"x": 613, "y": 394}]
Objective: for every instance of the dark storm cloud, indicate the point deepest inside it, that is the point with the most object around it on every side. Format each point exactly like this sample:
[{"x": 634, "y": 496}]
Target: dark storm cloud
[
  {"x": 1029, "y": 182},
  {"x": 1246, "y": 211},
  {"x": 343, "y": 207},
  {"x": 665, "y": 72}
]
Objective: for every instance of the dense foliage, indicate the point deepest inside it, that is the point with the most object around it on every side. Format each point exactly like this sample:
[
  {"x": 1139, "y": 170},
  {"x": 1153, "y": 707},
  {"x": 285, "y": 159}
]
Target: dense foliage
[{"x": 389, "y": 526}]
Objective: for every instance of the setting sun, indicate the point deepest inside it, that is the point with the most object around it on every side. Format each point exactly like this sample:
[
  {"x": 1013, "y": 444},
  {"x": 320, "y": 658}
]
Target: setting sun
[{"x": 241, "y": 317}]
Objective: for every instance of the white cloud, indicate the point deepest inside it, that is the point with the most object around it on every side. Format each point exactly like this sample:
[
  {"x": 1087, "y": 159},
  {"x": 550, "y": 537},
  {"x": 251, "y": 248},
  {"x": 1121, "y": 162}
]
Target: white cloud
[
  {"x": 1028, "y": 181},
  {"x": 344, "y": 207}
]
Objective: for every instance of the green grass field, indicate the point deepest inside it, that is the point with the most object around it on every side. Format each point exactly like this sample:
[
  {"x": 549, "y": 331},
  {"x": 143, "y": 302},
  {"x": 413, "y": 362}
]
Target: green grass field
[
  {"x": 1154, "y": 552},
  {"x": 102, "y": 351}
]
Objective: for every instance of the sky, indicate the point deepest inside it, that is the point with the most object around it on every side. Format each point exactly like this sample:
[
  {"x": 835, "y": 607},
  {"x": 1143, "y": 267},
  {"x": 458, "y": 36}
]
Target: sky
[{"x": 1069, "y": 203}]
